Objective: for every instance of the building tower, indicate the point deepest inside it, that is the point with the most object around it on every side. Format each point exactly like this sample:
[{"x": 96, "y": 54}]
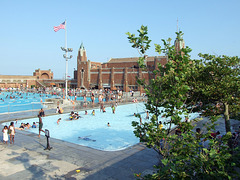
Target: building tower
[
  {"x": 82, "y": 67},
  {"x": 179, "y": 42}
]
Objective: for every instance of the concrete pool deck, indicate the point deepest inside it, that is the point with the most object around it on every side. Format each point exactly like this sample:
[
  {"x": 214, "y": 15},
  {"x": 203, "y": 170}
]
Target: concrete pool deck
[{"x": 27, "y": 159}]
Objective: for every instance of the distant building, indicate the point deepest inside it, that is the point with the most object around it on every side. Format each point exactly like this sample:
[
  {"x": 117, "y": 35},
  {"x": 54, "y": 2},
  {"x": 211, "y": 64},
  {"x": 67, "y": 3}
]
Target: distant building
[{"x": 18, "y": 81}]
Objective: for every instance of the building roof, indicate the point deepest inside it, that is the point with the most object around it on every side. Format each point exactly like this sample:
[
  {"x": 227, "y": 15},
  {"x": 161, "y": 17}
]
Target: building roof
[
  {"x": 131, "y": 59},
  {"x": 82, "y": 47}
]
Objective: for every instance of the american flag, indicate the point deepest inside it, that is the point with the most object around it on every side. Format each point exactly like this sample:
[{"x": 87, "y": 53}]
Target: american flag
[{"x": 61, "y": 26}]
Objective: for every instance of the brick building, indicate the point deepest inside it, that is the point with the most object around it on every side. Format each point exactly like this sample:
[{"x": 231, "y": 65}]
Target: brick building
[
  {"x": 117, "y": 73},
  {"x": 17, "y": 81}
]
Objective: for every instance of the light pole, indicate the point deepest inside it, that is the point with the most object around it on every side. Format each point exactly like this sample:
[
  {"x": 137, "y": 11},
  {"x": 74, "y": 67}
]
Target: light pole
[{"x": 66, "y": 57}]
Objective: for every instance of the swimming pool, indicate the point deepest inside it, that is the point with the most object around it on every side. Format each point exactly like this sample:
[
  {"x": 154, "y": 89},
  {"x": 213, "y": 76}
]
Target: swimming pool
[
  {"x": 28, "y": 101},
  {"x": 16, "y": 101},
  {"x": 92, "y": 131}
]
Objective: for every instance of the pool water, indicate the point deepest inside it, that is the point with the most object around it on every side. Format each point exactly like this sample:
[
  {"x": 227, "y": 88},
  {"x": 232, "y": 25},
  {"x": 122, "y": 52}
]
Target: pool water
[
  {"x": 23, "y": 102},
  {"x": 92, "y": 131},
  {"x": 28, "y": 101}
]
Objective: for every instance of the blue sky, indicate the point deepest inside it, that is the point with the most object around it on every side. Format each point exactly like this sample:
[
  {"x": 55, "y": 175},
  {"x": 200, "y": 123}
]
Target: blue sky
[{"x": 28, "y": 42}]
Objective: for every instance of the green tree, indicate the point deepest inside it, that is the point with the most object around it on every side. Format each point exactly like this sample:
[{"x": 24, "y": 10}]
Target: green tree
[
  {"x": 218, "y": 86},
  {"x": 171, "y": 95}
]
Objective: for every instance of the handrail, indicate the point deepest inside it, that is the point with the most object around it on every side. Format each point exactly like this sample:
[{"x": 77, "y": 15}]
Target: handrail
[{"x": 41, "y": 83}]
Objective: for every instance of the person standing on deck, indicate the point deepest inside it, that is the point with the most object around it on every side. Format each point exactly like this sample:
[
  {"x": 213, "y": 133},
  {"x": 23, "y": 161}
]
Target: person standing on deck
[
  {"x": 5, "y": 134},
  {"x": 41, "y": 112},
  {"x": 12, "y": 132},
  {"x": 40, "y": 125}
]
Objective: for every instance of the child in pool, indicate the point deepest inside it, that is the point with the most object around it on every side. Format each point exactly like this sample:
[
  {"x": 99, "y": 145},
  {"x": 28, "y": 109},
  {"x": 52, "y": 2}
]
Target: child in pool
[
  {"x": 28, "y": 126},
  {"x": 34, "y": 125},
  {"x": 104, "y": 109},
  {"x": 113, "y": 109},
  {"x": 93, "y": 112},
  {"x": 58, "y": 121}
]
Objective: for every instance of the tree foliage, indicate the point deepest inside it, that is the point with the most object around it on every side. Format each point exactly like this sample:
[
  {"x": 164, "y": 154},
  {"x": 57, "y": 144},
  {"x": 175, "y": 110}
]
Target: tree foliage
[
  {"x": 218, "y": 86},
  {"x": 176, "y": 91}
]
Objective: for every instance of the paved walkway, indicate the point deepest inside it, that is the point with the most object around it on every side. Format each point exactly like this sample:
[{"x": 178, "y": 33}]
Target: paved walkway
[{"x": 27, "y": 159}]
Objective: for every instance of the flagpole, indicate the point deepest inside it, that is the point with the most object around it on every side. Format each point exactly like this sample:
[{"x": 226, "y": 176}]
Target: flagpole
[
  {"x": 66, "y": 88},
  {"x": 66, "y": 49}
]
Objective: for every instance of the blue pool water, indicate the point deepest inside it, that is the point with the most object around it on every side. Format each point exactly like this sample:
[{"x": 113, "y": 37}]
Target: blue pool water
[
  {"x": 21, "y": 102},
  {"x": 92, "y": 131},
  {"x": 28, "y": 101}
]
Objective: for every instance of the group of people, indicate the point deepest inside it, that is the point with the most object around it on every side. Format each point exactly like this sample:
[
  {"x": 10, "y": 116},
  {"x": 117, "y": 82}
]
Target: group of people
[
  {"x": 74, "y": 116},
  {"x": 103, "y": 108},
  {"x": 20, "y": 95},
  {"x": 27, "y": 126},
  {"x": 59, "y": 110},
  {"x": 9, "y": 131}
]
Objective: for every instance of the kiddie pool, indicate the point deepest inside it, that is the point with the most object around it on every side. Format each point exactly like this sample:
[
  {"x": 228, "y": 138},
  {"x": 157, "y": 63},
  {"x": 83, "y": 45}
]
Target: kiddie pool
[{"x": 92, "y": 131}]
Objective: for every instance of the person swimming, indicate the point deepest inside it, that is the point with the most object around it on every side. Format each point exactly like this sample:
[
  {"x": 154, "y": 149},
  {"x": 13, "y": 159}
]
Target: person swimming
[
  {"x": 86, "y": 139},
  {"x": 93, "y": 112},
  {"x": 76, "y": 116},
  {"x": 104, "y": 109},
  {"x": 58, "y": 121},
  {"x": 34, "y": 125}
]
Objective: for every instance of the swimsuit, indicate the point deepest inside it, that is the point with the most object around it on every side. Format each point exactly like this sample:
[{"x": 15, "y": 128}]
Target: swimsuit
[{"x": 40, "y": 126}]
